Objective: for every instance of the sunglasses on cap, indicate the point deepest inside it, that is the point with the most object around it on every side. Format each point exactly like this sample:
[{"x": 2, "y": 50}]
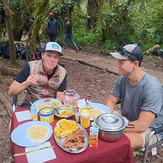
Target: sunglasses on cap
[{"x": 124, "y": 52}]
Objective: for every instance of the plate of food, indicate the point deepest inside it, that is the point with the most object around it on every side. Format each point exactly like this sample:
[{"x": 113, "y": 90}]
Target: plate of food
[
  {"x": 95, "y": 109},
  {"x": 31, "y": 133},
  {"x": 46, "y": 102},
  {"x": 71, "y": 136}
]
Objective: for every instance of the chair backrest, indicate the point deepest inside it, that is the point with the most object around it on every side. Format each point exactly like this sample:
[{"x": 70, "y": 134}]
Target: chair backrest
[{"x": 149, "y": 147}]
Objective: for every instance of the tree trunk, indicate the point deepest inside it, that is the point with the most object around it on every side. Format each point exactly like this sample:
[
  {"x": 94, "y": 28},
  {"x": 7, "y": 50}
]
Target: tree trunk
[
  {"x": 9, "y": 27},
  {"x": 34, "y": 31},
  {"x": 94, "y": 12}
]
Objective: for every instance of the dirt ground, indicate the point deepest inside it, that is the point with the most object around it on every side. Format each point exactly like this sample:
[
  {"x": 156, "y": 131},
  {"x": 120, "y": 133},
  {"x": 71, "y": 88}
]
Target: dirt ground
[{"x": 86, "y": 80}]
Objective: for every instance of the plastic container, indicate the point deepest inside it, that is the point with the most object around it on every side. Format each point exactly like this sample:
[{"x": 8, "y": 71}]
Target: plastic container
[
  {"x": 34, "y": 113},
  {"x": 47, "y": 114},
  {"x": 77, "y": 115}
]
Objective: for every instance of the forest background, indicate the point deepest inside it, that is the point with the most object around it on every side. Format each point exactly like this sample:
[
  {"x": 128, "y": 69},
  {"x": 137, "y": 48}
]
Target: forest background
[
  {"x": 99, "y": 26},
  {"x": 103, "y": 24}
]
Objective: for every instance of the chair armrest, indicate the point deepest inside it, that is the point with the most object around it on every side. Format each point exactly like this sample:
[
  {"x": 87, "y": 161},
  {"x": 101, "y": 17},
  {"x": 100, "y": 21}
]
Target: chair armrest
[
  {"x": 14, "y": 103},
  {"x": 158, "y": 130},
  {"x": 14, "y": 100}
]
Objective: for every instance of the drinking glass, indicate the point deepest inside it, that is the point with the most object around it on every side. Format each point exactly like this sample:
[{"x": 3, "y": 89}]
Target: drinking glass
[
  {"x": 71, "y": 98},
  {"x": 85, "y": 118}
]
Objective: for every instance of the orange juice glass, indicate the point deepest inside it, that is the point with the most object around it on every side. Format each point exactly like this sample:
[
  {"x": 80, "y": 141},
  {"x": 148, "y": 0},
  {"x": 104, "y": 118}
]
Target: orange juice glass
[{"x": 85, "y": 118}]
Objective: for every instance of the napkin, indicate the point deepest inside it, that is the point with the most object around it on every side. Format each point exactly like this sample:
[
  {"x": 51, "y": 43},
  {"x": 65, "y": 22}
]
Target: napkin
[
  {"x": 23, "y": 115},
  {"x": 41, "y": 155}
]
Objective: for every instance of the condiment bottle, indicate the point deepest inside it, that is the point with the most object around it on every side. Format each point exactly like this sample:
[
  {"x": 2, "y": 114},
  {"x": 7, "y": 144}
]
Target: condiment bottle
[{"x": 77, "y": 115}]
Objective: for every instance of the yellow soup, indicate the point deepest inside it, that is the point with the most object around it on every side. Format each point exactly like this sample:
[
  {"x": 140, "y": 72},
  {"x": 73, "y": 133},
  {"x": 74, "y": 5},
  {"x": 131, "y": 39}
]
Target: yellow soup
[{"x": 47, "y": 115}]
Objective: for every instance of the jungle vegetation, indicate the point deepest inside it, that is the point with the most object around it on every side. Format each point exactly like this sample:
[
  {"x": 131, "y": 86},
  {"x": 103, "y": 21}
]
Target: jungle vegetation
[{"x": 104, "y": 24}]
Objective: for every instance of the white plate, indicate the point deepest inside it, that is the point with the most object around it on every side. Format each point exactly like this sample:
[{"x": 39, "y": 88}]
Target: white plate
[
  {"x": 60, "y": 142},
  {"x": 42, "y": 103},
  {"x": 20, "y": 134},
  {"x": 98, "y": 106}
]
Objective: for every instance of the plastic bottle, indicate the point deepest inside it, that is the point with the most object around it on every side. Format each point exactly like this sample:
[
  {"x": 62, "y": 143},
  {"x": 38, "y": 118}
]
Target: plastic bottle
[{"x": 34, "y": 113}]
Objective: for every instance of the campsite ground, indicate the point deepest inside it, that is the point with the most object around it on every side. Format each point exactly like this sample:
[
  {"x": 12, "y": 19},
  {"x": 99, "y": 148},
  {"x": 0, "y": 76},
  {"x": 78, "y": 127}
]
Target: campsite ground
[{"x": 87, "y": 80}]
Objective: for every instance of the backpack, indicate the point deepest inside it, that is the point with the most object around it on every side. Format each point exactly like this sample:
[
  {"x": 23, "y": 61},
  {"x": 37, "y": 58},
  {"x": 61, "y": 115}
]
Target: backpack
[
  {"x": 21, "y": 51},
  {"x": 4, "y": 50}
]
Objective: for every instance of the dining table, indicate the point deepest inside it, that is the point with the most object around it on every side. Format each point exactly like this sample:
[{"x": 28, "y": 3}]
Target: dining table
[{"x": 107, "y": 152}]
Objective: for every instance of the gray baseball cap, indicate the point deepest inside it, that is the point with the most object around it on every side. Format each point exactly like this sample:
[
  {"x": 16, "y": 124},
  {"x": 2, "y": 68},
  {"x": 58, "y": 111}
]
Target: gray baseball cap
[{"x": 130, "y": 52}]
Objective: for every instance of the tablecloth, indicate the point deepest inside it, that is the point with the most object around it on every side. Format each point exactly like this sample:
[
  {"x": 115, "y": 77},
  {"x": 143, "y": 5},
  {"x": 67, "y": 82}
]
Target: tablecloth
[{"x": 117, "y": 152}]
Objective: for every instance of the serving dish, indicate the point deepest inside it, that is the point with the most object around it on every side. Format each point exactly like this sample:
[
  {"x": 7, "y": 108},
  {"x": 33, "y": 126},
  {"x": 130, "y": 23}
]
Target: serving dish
[
  {"x": 111, "y": 126},
  {"x": 65, "y": 111},
  {"x": 60, "y": 141}
]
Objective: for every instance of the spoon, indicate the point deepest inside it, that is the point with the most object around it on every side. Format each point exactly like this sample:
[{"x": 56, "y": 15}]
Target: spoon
[
  {"x": 87, "y": 103},
  {"x": 53, "y": 107}
]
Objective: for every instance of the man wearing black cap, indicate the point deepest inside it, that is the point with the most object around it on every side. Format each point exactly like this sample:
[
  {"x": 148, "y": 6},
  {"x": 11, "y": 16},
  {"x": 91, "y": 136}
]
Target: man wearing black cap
[
  {"x": 42, "y": 78},
  {"x": 140, "y": 94},
  {"x": 52, "y": 27}
]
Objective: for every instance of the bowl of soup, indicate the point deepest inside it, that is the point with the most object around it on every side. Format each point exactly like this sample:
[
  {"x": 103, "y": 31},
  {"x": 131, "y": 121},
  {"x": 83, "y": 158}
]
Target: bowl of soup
[{"x": 65, "y": 111}]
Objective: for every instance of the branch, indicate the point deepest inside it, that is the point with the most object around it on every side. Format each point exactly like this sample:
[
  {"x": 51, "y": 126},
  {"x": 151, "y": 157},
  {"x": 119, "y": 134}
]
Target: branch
[{"x": 7, "y": 104}]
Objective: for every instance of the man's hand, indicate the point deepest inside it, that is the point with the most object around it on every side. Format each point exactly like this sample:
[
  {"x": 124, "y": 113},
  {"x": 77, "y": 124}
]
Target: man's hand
[
  {"x": 17, "y": 88},
  {"x": 142, "y": 123},
  {"x": 31, "y": 80}
]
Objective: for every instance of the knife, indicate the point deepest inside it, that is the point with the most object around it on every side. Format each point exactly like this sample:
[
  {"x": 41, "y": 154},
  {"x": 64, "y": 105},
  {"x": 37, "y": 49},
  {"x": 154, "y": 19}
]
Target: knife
[{"x": 23, "y": 153}]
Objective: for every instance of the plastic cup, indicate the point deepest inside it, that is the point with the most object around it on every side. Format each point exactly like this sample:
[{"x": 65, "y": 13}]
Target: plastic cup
[
  {"x": 71, "y": 98},
  {"x": 73, "y": 102}
]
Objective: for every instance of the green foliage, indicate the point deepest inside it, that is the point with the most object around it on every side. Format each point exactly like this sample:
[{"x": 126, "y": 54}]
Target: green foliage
[
  {"x": 118, "y": 22},
  {"x": 84, "y": 37},
  {"x": 110, "y": 45},
  {"x": 115, "y": 21},
  {"x": 147, "y": 23},
  {"x": 16, "y": 5}
]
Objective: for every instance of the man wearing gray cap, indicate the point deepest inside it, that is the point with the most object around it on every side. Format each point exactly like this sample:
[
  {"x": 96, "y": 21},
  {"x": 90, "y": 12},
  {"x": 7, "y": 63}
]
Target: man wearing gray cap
[
  {"x": 140, "y": 95},
  {"x": 42, "y": 78}
]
